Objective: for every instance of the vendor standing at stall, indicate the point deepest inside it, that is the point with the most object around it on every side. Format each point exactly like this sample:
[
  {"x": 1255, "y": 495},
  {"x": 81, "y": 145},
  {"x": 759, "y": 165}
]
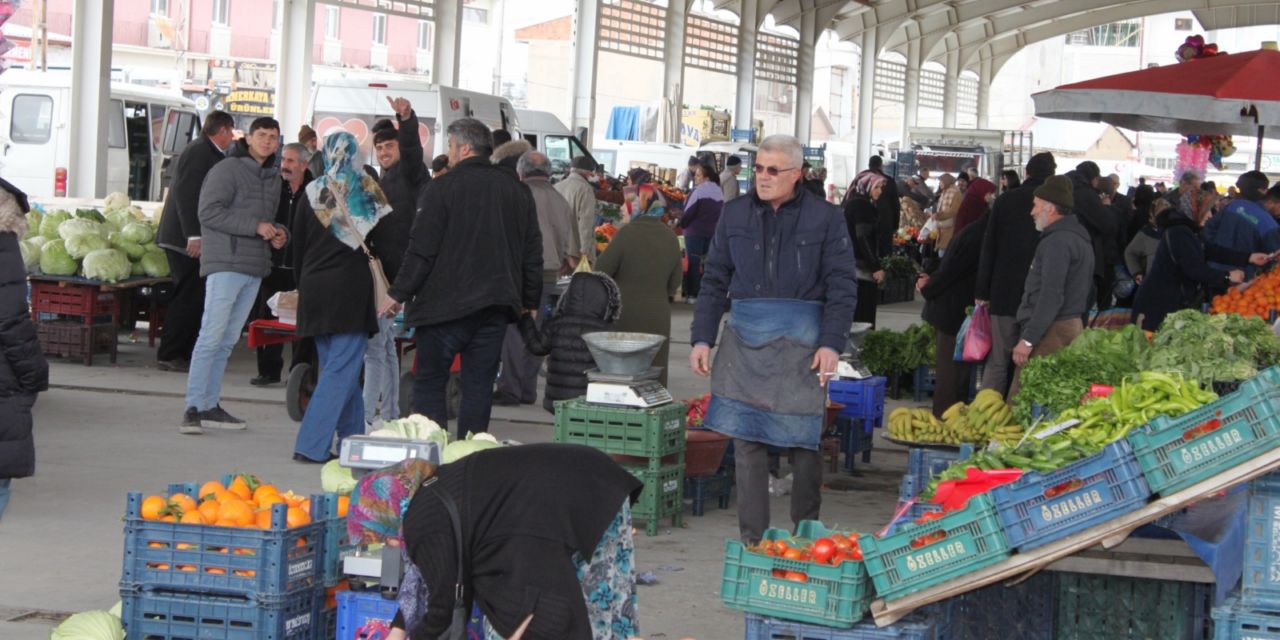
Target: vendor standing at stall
[{"x": 784, "y": 258}]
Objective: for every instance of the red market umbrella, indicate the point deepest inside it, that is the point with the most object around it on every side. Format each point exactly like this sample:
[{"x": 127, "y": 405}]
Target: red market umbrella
[{"x": 1227, "y": 94}]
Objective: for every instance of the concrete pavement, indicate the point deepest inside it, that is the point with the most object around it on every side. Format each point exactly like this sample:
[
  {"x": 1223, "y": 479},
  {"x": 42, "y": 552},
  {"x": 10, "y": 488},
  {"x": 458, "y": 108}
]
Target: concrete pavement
[{"x": 105, "y": 430}]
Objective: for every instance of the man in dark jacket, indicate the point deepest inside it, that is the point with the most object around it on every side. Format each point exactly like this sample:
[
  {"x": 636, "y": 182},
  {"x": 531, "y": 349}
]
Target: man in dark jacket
[
  {"x": 1103, "y": 228},
  {"x": 404, "y": 174},
  {"x": 1245, "y": 225},
  {"x": 474, "y": 265},
  {"x": 23, "y": 369},
  {"x": 1007, "y": 250},
  {"x": 179, "y": 235},
  {"x": 1056, "y": 294}
]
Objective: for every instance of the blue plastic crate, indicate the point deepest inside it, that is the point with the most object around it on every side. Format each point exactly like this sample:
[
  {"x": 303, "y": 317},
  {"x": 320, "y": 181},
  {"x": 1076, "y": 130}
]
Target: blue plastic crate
[
  {"x": 861, "y": 398},
  {"x": 705, "y": 488},
  {"x": 856, "y": 437},
  {"x": 165, "y": 615},
  {"x": 254, "y": 563},
  {"x": 923, "y": 464},
  {"x": 1235, "y": 621},
  {"x": 358, "y": 608},
  {"x": 1024, "y": 611},
  {"x": 337, "y": 544},
  {"x": 922, "y": 383},
  {"x": 916, "y": 626},
  {"x": 1260, "y": 583},
  {"x": 1039, "y": 508}
]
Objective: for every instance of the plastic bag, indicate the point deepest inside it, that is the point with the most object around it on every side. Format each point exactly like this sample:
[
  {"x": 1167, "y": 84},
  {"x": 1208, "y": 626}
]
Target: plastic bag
[
  {"x": 958, "y": 353},
  {"x": 928, "y": 230},
  {"x": 977, "y": 340}
]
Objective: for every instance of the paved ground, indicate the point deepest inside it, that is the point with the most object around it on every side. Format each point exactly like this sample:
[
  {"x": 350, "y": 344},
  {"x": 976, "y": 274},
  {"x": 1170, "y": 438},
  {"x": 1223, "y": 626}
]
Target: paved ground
[{"x": 106, "y": 430}]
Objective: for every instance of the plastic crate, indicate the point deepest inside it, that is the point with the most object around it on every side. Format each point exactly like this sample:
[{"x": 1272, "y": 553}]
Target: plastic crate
[
  {"x": 1085, "y": 493},
  {"x": 900, "y": 563},
  {"x": 1260, "y": 582},
  {"x": 915, "y": 626},
  {"x": 73, "y": 299},
  {"x": 923, "y": 464},
  {"x": 1235, "y": 621},
  {"x": 1092, "y": 607},
  {"x": 861, "y": 398},
  {"x": 1173, "y": 457},
  {"x": 832, "y": 596},
  {"x": 253, "y": 563},
  {"x": 650, "y": 433},
  {"x": 662, "y": 496},
  {"x": 358, "y": 608},
  {"x": 856, "y": 438},
  {"x": 922, "y": 382},
  {"x": 337, "y": 543},
  {"x": 898, "y": 290},
  {"x": 1024, "y": 611},
  {"x": 75, "y": 339},
  {"x": 164, "y": 615},
  {"x": 701, "y": 489}
]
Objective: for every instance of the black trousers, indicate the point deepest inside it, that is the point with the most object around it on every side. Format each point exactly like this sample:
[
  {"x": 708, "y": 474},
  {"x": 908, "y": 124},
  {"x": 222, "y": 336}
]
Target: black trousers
[
  {"x": 868, "y": 298},
  {"x": 186, "y": 308},
  {"x": 751, "y": 473}
]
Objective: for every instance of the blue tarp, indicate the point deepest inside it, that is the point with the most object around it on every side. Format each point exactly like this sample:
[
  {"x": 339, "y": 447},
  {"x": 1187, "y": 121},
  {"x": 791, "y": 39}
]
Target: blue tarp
[
  {"x": 1214, "y": 529},
  {"x": 624, "y": 124}
]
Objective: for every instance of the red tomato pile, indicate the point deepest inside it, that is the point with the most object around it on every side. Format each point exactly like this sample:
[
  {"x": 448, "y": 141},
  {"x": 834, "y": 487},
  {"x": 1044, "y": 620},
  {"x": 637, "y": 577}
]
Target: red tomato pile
[{"x": 831, "y": 550}]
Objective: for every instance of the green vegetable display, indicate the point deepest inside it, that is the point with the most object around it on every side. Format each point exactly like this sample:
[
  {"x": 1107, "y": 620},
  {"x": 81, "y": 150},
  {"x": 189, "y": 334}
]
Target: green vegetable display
[
  {"x": 107, "y": 265},
  {"x": 34, "y": 216},
  {"x": 154, "y": 263},
  {"x": 89, "y": 625},
  {"x": 82, "y": 244},
  {"x": 1212, "y": 348},
  {"x": 138, "y": 232},
  {"x": 888, "y": 353},
  {"x": 335, "y": 478},
  {"x": 30, "y": 253},
  {"x": 50, "y": 222},
  {"x": 1098, "y": 356},
  {"x": 55, "y": 261},
  {"x": 898, "y": 268}
]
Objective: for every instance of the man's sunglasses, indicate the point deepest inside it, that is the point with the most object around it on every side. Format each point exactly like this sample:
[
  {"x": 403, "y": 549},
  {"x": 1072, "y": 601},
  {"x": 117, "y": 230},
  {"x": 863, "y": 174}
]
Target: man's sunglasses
[{"x": 773, "y": 171}]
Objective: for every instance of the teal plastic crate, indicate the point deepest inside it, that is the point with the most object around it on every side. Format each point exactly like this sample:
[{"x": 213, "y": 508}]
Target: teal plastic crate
[
  {"x": 662, "y": 496},
  {"x": 1235, "y": 621},
  {"x": 907, "y": 561},
  {"x": 1260, "y": 582},
  {"x": 648, "y": 433},
  {"x": 1176, "y": 453},
  {"x": 915, "y": 626},
  {"x": 1094, "y": 607},
  {"x": 831, "y": 596}
]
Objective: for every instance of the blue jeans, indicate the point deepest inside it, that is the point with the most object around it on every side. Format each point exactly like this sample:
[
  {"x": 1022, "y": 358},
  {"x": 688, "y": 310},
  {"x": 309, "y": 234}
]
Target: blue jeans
[
  {"x": 336, "y": 404},
  {"x": 4, "y": 495},
  {"x": 696, "y": 248},
  {"x": 382, "y": 373},
  {"x": 228, "y": 299},
  {"x": 478, "y": 338}
]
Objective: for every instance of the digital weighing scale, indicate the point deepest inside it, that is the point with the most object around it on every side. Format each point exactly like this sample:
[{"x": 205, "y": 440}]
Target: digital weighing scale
[
  {"x": 362, "y": 454},
  {"x": 640, "y": 391},
  {"x": 850, "y": 366}
]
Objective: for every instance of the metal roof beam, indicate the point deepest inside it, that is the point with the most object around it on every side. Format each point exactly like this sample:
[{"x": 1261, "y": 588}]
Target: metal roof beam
[
  {"x": 1211, "y": 18},
  {"x": 970, "y": 40}
]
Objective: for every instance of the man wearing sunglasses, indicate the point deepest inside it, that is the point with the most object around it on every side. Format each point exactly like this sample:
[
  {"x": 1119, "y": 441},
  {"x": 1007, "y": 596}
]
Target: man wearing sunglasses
[{"x": 782, "y": 261}]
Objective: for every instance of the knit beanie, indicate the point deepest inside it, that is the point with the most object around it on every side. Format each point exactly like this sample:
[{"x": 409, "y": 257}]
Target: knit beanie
[
  {"x": 1057, "y": 189},
  {"x": 1041, "y": 165}
]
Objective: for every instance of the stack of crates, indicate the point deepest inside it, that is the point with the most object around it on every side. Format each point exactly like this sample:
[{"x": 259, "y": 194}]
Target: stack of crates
[
  {"x": 650, "y": 443},
  {"x": 862, "y": 414},
  {"x": 1255, "y": 611},
  {"x": 203, "y": 581},
  {"x": 75, "y": 320},
  {"x": 923, "y": 464},
  {"x": 1096, "y": 607}
]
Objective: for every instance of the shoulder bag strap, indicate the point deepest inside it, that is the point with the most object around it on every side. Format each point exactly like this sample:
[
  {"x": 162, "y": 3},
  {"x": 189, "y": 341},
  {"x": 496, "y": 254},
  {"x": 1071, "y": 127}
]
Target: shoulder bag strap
[{"x": 460, "y": 613}]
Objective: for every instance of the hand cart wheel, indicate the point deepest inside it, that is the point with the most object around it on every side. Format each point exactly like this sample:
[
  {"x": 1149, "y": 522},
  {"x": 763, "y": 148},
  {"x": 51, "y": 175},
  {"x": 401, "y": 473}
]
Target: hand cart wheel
[{"x": 298, "y": 389}]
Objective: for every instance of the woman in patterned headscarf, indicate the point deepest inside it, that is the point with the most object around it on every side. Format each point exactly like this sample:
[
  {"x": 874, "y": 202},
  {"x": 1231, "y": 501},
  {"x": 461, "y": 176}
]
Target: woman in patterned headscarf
[
  {"x": 335, "y": 292},
  {"x": 861, "y": 216},
  {"x": 546, "y": 541}
]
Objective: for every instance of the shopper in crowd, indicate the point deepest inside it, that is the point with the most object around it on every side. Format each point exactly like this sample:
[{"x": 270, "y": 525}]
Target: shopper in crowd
[
  {"x": 578, "y": 189},
  {"x": 962, "y": 181},
  {"x": 1144, "y": 196},
  {"x": 501, "y": 137},
  {"x": 1056, "y": 294},
  {"x": 684, "y": 180},
  {"x": 644, "y": 259},
  {"x": 23, "y": 369},
  {"x": 701, "y": 213},
  {"x": 308, "y": 138},
  {"x": 638, "y": 176},
  {"x": 544, "y": 534},
  {"x": 1180, "y": 276},
  {"x": 341, "y": 208},
  {"x": 295, "y": 176},
  {"x": 1181, "y": 198},
  {"x": 921, "y": 187},
  {"x": 1142, "y": 249},
  {"x": 403, "y": 175},
  {"x": 238, "y": 204},
  {"x": 1271, "y": 202},
  {"x": 948, "y": 291},
  {"x": 861, "y": 217},
  {"x": 1245, "y": 225},
  {"x": 591, "y": 302},
  {"x": 1103, "y": 228},
  {"x": 912, "y": 214},
  {"x": 179, "y": 234},
  {"x": 1008, "y": 247},
  {"x": 1009, "y": 181},
  {"x": 888, "y": 208},
  {"x": 909, "y": 187},
  {"x": 814, "y": 181},
  {"x": 729, "y": 178},
  {"x": 793, "y": 302},
  {"x": 519, "y": 381},
  {"x": 950, "y": 196},
  {"x": 508, "y": 155},
  {"x": 974, "y": 205},
  {"x": 439, "y": 165},
  {"x": 474, "y": 265}
]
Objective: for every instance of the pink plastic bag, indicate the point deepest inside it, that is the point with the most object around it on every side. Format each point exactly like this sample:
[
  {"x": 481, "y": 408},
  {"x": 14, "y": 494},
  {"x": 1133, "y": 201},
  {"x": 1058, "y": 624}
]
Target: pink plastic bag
[{"x": 977, "y": 340}]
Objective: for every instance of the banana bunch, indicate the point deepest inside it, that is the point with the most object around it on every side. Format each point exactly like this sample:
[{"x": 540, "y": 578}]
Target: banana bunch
[
  {"x": 988, "y": 418},
  {"x": 915, "y": 425}
]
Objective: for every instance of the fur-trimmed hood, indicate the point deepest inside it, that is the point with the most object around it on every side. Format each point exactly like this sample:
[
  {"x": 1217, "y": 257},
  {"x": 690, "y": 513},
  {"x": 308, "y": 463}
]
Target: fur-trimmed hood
[
  {"x": 12, "y": 218},
  {"x": 510, "y": 151},
  {"x": 591, "y": 294}
]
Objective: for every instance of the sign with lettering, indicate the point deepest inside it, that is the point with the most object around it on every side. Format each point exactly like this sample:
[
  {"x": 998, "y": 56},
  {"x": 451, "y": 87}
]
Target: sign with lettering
[
  {"x": 946, "y": 552},
  {"x": 1091, "y": 497},
  {"x": 1216, "y": 445},
  {"x": 771, "y": 591}
]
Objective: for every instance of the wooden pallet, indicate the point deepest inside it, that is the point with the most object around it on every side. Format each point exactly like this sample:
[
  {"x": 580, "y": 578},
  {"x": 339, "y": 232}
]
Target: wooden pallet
[{"x": 1109, "y": 534}]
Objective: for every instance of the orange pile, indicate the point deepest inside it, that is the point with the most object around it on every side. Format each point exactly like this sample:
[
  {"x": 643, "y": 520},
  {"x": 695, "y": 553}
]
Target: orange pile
[
  {"x": 1258, "y": 300},
  {"x": 246, "y": 503}
]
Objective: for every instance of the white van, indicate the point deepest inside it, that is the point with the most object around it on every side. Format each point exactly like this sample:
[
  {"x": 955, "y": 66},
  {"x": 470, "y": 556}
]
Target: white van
[
  {"x": 620, "y": 156},
  {"x": 549, "y": 135},
  {"x": 147, "y": 129}
]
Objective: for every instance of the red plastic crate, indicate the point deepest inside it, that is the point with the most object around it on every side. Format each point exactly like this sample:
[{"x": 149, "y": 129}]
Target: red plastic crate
[
  {"x": 68, "y": 298},
  {"x": 73, "y": 339}
]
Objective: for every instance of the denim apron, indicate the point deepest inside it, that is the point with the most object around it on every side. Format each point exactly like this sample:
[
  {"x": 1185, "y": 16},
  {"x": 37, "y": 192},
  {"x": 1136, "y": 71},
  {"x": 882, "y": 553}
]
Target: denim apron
[{"x": 762, "y": 389}]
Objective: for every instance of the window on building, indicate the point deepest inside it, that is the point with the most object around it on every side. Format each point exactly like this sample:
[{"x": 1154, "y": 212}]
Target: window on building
[
  {"x": 1182, "y": 24},
  {"x": 32, "y": 119},
  {"x": 379, "y": 29},
  {"x": 159, "y": 7},
  {"x": 1116, "y": 34},
  {"x": 331, "y": 22},
  {"x": 475, "y": 15},
  {"x": 424, "y": 35},
  {"x": 221, "y": 12}
]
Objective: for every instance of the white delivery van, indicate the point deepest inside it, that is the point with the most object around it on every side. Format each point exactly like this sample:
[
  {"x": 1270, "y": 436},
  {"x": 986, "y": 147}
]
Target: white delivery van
[
  {"x": 147, "y": 129},
  {"x": 354, "y": 105},
  {"x": 620, "y": 156},
  {"x": 549, "y": 135}
]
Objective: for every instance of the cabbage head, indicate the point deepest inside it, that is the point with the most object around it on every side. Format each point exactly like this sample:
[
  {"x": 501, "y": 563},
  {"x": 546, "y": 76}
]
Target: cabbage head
[
  {"x": 81, "y": 227},
  {"x": 460, "y": 449},
  {"x": 107, "y": 265},
  {"x": 335, "y": 478},
  {"x": 55, "y": 261},
  {"x": 119, "y": 241},
  {"x": 138, "y": 232},
  {"x": 33, "y": 222},
  {"x": 136, "y": 270},
  {"x": 89, "y": 625},
  {"x": 49, "y": 223},
  {"x": 116, "y": 220},
  {"x": 80, "y": 245},
  {"x": 116, "y": 201},
  {"x": 155, "y": 263},
  {"x": 30, "y": 254}
]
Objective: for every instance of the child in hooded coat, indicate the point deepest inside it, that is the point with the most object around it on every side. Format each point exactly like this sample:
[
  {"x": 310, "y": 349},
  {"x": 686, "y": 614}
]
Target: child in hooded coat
[{"x": 590, "y": 303}]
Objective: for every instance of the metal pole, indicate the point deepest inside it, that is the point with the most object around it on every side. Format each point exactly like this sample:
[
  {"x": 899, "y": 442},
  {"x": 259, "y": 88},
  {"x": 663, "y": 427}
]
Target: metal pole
[
  {"x": 1257, "y": 156},
  {"x": 43, "y": 32}
]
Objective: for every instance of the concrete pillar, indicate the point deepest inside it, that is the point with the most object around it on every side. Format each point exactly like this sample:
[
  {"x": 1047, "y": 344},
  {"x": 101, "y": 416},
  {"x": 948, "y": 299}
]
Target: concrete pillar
[
  {"x": 984, "y": 94},
  {"x": 448, "y": 46},
  {"x": 911, "y": 103},
  {"x": 673, "y": 64},
  {"x": 586, "y": 26},
  {"x": 297, "y": 36},
  {"x": 804, "y": 74},
  {"x": 90, "y": 97},
  {"x": 951, "y": 89},
  {"x": 866, "y": 97},
  {"x": 748, "y": 27}
]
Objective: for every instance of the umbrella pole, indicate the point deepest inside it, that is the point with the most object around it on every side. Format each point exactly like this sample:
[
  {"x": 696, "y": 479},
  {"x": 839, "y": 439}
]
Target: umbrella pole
[{"x": 1257, "y": 156}]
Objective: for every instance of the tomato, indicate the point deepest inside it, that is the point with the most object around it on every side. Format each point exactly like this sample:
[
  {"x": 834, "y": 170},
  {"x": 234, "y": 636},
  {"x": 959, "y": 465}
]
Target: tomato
[
  {"x": 793, "y": 554},
  {"x": 779, "y": 573},
  {"x": 857, "y": 554},
  {"x": 823, "y": 549},
  {"x": 842, "y": 543},
  {"x": 838, "y": 557},
  {"x": 796, "y": 576}
]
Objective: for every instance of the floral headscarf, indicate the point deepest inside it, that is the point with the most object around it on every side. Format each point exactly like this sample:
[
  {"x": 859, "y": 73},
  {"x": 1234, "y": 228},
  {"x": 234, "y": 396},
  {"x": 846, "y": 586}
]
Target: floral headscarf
[
  {"x": 866, "y": 182},
  {"x": 648, "y": 203},
  {"x": 378, "y": 503},
  {"x": 345, "y": 188}
]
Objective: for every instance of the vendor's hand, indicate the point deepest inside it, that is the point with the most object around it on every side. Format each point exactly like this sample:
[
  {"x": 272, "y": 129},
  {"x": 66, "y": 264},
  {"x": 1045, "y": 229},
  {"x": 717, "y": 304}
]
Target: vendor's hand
[
  {"x": 700, "y": 360},
  {"x": 389, "y": 307},
  {"x": 878, "y": 276},
  {"x": 921, "y": 280},
  {"x": 1235, "y": 276},
  {"x": 401, "y": 106},
  {"x": 980, "y": 303},
  {"x": 397, "y": 634},
  {"x": 824, "y": 362},
  {"x": 1259, "y": 259},
  {"x": 267, "y": 231},
  {"x": 1021, "y": 353},
  {"x": 193, "y": 247}
]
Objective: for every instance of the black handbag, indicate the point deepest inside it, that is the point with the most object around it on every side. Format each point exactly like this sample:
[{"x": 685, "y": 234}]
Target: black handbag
[{"x": 461, "y": 614}]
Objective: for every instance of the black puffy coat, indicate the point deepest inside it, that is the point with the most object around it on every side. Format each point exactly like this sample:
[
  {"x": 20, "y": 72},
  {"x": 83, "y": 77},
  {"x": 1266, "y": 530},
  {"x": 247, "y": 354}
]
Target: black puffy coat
[
  {"x": 23, "y": 369},
  {"x": 950, "y": 288},
  {"x": 591, "y": 303}
]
